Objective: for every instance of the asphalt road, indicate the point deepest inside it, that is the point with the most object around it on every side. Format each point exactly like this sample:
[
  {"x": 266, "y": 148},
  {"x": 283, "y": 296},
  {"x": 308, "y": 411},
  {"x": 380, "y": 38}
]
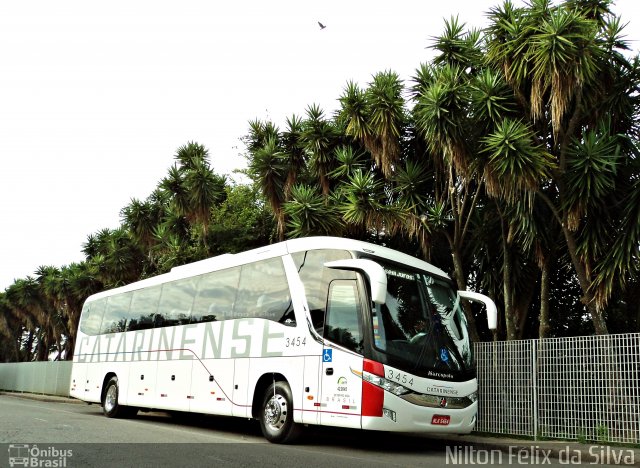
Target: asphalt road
[
  {"x": 160, "y": 439},
  {"x": 78, "y": 435}
]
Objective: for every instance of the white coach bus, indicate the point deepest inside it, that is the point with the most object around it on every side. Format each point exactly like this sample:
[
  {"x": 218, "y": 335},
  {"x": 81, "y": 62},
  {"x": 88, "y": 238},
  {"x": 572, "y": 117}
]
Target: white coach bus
[{"x": 319, "y": 330}]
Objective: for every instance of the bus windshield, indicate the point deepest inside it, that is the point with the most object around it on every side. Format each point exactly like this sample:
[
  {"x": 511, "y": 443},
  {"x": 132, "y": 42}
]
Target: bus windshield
[{"x": 421, "y": 327}]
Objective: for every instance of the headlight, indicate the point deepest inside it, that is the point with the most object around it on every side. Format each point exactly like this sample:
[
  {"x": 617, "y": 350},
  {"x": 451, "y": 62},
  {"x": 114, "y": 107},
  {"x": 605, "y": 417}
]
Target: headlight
[
  {"x": 421, "y": 399},
  {"x": 385, "y": 384}
]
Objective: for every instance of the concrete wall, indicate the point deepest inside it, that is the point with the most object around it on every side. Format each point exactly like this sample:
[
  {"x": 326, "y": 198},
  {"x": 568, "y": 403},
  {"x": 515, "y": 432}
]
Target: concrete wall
[{"x": 46, "y": 377}]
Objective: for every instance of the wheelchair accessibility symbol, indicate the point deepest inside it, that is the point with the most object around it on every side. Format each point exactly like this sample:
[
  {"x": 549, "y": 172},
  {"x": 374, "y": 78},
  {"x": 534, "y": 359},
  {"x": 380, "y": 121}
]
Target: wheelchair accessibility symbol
[{"x": 327, "y": 355}]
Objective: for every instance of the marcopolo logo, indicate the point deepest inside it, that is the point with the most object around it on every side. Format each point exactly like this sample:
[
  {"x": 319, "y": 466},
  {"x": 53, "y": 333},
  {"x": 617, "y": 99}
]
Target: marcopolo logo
[{"x": 34, "y": 456}]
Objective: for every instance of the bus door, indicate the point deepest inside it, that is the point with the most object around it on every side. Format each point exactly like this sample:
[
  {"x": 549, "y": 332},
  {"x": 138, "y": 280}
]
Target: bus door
[
  {"x": 341, "y": 384},
  {"x": 241, "y": 405}
]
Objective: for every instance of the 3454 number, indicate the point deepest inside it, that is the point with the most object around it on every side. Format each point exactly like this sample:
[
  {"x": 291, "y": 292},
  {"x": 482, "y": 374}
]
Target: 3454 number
[
  {"x": 295, "y": 342},
  {"x": 399, "y": 377}
]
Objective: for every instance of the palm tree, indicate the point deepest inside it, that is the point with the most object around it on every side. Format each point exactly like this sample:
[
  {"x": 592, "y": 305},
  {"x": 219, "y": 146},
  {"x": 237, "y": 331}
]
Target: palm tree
[
  {"x": 444, "y": 120},
  {"x": 376, "y": 118},
  {"x": 259, "y": 133},
  {"x": 25, "y": 297},
  {"x": 174, "y": 187},
  {"x": 348, "y": 161},
  {"x": 366, "y": 208},
  {"x": 193, "y": 188},
  {"x": 578, "y": 95},
  {"x": 171, "y": 249},
  {"x": 458, "y": 47},
  {"x": 78, "y": 282},
  {"x": 117, "y": 258},
  {"x": 206, "y": 190},
  {"x": 293, "y": 152},
  {"x": 140, "y": 217},
  {"x": 320, "y": 137},
  {"x": 413, "y": 187},
  {"x": 309, "y": 213},
  {"x": 11, "y": 328},
  {"x": 52, "y": 290},
  {"x": 267, "y": 167},
  {"x": 534, "y": 120}
]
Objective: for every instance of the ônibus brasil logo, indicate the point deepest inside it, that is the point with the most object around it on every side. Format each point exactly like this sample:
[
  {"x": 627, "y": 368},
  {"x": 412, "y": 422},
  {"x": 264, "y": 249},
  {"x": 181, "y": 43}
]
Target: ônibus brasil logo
[{"x": 33, "y": 456}]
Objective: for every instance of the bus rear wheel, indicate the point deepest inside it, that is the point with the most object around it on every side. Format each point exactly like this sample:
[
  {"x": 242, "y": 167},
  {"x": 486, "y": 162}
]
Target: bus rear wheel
[
  {"x": 110, "y": 406},
  {"x": 276, "y": 415}
]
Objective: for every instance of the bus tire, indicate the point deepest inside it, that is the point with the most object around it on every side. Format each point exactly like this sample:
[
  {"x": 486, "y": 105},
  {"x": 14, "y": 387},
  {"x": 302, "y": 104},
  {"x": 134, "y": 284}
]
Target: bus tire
[
  {"x": 110, "y": 406},
  {"x": 276, "y": 415}
]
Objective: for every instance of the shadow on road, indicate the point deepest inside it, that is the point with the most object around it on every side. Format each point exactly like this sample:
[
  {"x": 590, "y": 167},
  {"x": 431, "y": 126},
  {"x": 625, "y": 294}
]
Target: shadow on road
[{"x": 313, "y": 436}]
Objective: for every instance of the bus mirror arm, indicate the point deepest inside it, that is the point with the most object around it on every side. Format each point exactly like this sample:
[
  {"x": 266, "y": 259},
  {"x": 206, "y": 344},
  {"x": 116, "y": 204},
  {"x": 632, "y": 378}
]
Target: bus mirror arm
[
  {"x": 492, "y": 311},
  {"x": 375, "y": 273}
]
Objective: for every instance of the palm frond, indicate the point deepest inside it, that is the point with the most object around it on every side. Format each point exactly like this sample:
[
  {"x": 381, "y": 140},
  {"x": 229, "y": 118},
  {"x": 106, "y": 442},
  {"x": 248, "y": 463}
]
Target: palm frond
[{"x": 515, "y": 164}]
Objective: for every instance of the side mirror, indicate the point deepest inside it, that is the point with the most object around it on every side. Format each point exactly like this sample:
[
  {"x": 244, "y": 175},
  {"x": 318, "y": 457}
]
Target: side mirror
[
  {"x": 375, "y": 273},
  {"x": 492, "y": 311}
]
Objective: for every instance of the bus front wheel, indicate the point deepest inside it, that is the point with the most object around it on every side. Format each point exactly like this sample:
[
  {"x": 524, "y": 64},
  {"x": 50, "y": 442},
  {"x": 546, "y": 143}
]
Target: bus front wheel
[
  {"x": 276, "y": 419},
  {"x": 110, "y": 405}
]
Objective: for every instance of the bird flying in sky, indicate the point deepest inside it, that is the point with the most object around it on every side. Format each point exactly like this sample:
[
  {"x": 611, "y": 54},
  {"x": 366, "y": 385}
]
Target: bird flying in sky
[{"x": 322, "y": 26}]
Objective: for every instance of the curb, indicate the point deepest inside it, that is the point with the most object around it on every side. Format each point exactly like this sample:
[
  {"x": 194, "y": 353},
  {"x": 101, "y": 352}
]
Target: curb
[{"x": 41, "y": 397}]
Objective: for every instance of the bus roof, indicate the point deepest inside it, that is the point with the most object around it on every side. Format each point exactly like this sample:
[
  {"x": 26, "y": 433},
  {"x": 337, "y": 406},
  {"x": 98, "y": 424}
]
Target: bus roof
[
  {"x": 224, "y": 261},
  {"x": 341, "y": 243}
]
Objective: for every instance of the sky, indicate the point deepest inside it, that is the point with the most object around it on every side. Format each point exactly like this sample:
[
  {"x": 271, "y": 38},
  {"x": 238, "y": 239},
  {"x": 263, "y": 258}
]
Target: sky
[{"x": 95, "y": 97}]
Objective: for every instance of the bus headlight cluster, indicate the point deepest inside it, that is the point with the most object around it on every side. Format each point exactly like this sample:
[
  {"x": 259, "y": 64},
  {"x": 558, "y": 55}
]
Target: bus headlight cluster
[
  {"x": 388, "y": 385},
  {"x": 421, "y": 399},
  {"x": 439, "y": 401}
]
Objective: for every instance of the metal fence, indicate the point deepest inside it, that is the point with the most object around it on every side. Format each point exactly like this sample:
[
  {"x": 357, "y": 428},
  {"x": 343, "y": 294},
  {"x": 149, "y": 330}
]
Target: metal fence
[
  {"x": 582, "y": 388},
  {"x": 46, "y": 377}
]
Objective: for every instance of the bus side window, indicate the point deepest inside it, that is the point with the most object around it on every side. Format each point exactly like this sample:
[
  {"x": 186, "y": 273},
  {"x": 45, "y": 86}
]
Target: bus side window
[
  {"x": 343, "y": 321},
  {"x": 216, "y": 295},
  {"x": 263, "y": 291},
  {"x": 176, "y": 302},
  {"x": 92, "y": 317},
  {"x": 316, "y": 279},
  {"x": 116, "y": 315},
  {"x": 144, "y": 306}
]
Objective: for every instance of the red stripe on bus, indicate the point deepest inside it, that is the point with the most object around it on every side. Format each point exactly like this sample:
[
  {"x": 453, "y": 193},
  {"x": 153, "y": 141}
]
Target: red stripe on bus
[
  {"x": 373, "y": 367},
  {"x": 372, "y": 399}
]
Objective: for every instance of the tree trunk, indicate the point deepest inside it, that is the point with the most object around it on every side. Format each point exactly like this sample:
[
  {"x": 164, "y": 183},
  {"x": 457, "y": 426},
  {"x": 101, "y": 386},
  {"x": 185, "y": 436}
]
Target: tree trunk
[
  {"x": 17, "y": 342},
  {"x": 507, "y": 284},
  {"x": 41, "y": 354},
  {"x": 588, "y": 298},
  {"x": 280, "y": 224},
  {"x": 28, "y": 346},
  {"x": 545, "y": 286},
  {"x": 70, "y": 347},
  {"x": 596, "y": 317},
  {"x": 633, "y": 293}
]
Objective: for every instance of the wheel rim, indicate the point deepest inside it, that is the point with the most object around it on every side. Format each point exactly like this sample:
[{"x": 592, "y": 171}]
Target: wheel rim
[
  {"x": 275, "y": 412},
  {"x": 110, "y": 398}
]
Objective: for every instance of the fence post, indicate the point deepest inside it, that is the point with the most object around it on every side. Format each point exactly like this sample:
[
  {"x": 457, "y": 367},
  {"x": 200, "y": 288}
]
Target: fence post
[{"x": 534, "y": 356}]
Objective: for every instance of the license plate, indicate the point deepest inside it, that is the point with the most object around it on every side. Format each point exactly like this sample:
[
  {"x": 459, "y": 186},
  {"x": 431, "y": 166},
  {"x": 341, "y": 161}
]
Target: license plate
[{"x": 439, "y": 420}]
